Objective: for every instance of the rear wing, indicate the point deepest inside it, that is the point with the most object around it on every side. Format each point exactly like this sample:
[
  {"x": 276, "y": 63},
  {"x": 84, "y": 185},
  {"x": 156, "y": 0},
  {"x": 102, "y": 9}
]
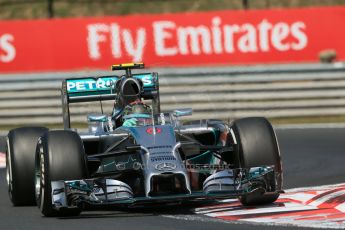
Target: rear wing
[{"x": 75, "y": 90}]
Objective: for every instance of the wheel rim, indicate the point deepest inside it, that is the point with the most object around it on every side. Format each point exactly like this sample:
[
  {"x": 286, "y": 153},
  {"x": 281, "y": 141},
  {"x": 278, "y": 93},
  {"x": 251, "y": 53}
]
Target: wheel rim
[
  {"x": 37, "y": 180},
  {"x": 39, "y": 175}
]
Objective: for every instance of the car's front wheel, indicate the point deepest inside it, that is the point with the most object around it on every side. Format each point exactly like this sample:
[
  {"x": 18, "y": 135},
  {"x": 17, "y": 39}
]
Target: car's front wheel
[
  {"x": 60, "y": 156},
  {"x": 258, "y": 146}
]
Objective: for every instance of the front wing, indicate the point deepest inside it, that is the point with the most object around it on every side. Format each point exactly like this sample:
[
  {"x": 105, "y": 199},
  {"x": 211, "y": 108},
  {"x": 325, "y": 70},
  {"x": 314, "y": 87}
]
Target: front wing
[{"x": 109, "y": 192}]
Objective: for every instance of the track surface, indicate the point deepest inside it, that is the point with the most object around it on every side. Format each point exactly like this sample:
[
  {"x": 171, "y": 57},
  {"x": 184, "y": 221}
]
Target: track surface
[{"x": 310, "y": 156}]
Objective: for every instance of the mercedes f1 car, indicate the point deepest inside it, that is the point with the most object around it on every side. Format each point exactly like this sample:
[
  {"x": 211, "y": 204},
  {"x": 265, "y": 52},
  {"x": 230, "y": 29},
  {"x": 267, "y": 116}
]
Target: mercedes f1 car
[{"x": 164, "y": 160}]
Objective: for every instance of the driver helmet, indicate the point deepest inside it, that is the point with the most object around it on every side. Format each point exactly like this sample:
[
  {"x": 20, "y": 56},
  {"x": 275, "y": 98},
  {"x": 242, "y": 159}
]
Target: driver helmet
[{"x": 138, "y": 112}]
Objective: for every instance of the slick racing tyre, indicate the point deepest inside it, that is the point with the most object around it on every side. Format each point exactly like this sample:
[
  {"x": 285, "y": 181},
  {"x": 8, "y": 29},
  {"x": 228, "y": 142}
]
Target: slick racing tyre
[
  {"x": 258, "y": 147},
  {"x": 60, "y": 155},
  {"x": 20, "y": 164}
]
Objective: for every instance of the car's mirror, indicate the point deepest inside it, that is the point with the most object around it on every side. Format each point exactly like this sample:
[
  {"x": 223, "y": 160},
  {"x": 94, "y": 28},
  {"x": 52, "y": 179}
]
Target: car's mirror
[
  {"x": 182, "y": 112},
  {"x": 97, "y": 117},
  {"x": 99, "y": 123}
]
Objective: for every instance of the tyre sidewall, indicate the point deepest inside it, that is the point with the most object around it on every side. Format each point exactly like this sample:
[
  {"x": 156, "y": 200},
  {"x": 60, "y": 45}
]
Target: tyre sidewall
[
  {"x": 20, "y": 161},
  {"x": 53, "y": 169},
  {"x": 44, "y": 198}
]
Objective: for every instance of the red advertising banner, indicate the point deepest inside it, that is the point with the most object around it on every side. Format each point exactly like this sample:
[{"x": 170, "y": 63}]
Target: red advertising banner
[{"x": 185, "y": 39}]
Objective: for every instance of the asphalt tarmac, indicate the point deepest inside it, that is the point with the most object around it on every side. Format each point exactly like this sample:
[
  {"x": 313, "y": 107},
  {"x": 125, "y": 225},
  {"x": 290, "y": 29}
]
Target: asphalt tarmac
[{"x": 310, "y": 157}]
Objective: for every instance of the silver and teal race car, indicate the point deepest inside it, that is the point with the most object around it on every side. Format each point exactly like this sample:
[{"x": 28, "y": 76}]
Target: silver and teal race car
[{"x": 162, "y": 160}]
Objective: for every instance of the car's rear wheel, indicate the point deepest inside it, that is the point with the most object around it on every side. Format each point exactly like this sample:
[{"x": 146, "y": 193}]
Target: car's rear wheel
[
  {"x": 20, "y": 164},
  {"x": 258, "y": 146},
  {"x": 60, "y": 156}
]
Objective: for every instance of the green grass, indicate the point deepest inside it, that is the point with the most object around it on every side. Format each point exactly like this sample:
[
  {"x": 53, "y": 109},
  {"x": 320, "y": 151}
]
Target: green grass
[{"x": 31, "y": 9}]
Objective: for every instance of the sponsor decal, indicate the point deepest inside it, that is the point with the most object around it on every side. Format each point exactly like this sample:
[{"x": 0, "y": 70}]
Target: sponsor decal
[
  {"x": 165, "y": 166},
  {"x": 7, "y": 48},
  {"x": 160, "y": 147},
  {"x": 153, "y": 131},
  {"x": 90, "y": 84},
  {"x": 104, "y": 83},
  {"x": 319, "y": 207},
  {"x": 162, "y": 158},
  {"x": 193, "y": 39}
]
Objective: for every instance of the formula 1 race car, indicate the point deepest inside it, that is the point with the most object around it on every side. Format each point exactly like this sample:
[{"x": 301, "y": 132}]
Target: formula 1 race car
[{"x": 161, "y": 160}]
